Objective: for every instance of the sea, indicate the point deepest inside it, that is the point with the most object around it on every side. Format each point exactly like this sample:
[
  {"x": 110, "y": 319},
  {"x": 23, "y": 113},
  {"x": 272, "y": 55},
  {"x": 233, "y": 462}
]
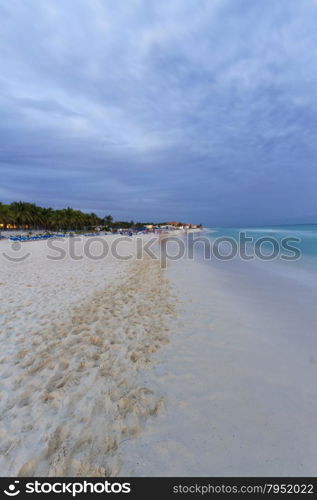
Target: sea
[{"x": 289, "y": 251}]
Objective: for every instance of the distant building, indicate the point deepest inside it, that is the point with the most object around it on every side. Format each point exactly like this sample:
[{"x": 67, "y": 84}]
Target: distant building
[
  {"x": 178, "y": 225},
  {"x": 175, "y": 224}
]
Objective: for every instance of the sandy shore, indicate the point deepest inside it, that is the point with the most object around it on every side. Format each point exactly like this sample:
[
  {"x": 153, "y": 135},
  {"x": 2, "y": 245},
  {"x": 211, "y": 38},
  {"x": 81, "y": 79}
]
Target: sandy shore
[
  {"x": 114, "y": 367},
  {"x": 238, "y": 377},
  {"x": 75, "y": 334}
]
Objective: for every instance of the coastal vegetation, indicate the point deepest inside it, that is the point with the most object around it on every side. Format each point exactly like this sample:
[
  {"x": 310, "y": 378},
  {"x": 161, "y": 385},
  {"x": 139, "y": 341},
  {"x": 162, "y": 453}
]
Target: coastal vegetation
[{"x": 24, "y": 215}]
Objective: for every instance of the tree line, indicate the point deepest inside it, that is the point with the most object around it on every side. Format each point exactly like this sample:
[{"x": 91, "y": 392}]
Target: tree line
[{"x": 24, "y": 215}]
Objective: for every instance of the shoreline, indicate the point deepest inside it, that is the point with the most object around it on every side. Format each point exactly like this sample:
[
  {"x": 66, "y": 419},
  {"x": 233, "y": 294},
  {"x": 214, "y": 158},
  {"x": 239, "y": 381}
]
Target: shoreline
[
  {"x": 114, "y": 367},
  {"x": 238, "y": 377}
]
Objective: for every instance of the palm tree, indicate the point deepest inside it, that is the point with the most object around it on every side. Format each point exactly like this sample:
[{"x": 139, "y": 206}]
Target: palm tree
[
  {"x": 46, "y": 216},
  {"x": 23, "y": 213},
  {"x": 37, "y": 217},
  {"x": 94, "y": 219},
  {"x": 5, "y": 216},
  {"x": 29, "y": 215},
  {"x": 108, "y": 220},
  {"x": 58, "y": 219},
  {"x": 68, "y": 218}
]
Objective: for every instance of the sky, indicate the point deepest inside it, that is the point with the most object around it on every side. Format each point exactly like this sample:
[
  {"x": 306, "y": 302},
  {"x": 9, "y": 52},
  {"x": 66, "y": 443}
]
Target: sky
[{"x": 194, "y": 110}]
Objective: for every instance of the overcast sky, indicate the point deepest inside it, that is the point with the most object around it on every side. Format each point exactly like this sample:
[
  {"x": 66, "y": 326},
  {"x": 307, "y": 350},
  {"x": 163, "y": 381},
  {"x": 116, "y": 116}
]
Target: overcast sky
[{"x": 203, "y": 110}]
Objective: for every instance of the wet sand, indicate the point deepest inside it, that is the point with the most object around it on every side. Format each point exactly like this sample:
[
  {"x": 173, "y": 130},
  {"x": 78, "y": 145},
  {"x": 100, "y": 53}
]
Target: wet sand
[{"x": 238, "y": 377}]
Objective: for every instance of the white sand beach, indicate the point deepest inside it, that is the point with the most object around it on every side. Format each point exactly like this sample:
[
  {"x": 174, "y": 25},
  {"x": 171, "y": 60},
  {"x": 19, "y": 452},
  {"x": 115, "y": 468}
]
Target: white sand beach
[
  {"x": 113, "y": 367},
  {"x": 74, "y": 334}
]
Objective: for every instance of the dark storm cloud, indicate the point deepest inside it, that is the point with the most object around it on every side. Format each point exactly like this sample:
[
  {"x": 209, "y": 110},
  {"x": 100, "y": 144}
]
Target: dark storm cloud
[{"x": 200, "y": 110}]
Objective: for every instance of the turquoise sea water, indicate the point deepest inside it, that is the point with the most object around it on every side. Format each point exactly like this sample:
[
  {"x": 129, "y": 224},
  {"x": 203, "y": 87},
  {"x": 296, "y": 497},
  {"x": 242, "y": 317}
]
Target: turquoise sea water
[
  {"x": 301, "y": 268},
  {"x": 305, "y": 234},
  {"x": 278, "y": 295}
]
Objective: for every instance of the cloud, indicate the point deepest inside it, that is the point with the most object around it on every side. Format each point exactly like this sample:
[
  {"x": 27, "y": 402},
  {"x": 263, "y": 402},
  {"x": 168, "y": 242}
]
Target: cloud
[{"x": 200, "y": 109}]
